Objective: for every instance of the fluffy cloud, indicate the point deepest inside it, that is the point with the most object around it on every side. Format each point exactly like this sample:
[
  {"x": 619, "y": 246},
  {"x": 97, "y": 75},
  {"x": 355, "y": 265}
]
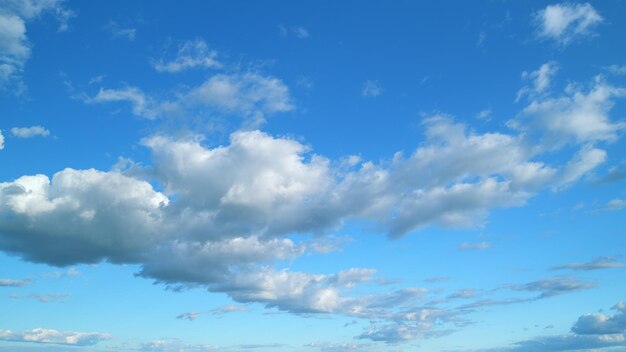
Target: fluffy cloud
[
  {"x": 602, "y": 324},
  {"x": 191, "y": 54},
  {"x": 29, "y": 132},
  {"x": 14, "y": 46},
  {"x": 49, "y": 336},
  {"x": 566, "y": 22}
]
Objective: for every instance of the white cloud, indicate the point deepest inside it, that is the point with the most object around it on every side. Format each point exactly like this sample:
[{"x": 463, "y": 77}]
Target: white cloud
[
  {"x": 50, "y": 336},
  {"x": 248, "y": 95},
  {"x": 567, "y": 22},
  {"x": 1, "y": 140},
  {"x": 142, "y": 105},
  {"x": 191, "y": 54},
  {"x": 299, "y": 32},
  {"x": 29, "y": 132},
  {"x": 371, "y": 89},
  {"x": 540, "y": 79},
  {"x": 575, "y": 117},
  {"x": 615, "y": 204},
  {"x": 587, "y": 159},
  {"x": 617, "y": 69},
  {"x": 189, "y": 316}
]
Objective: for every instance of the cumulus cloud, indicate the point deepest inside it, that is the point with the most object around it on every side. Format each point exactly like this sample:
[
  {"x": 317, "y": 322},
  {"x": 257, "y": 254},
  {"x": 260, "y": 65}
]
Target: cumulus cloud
[
  {"x": 567, "y": 22},
  {"x": 596, "y": 264},
  {"x": 190, "y": 55},
  {"x": 29, "y": 132},
  {"x": 223, "y": 216},
  {"x": 371, "y": 89},
  {"x": 15, "y": 48},
  {"x": 50, "y": 336}
]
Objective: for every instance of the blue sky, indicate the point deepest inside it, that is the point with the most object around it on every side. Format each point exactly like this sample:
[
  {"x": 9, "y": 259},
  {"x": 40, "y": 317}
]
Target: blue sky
[{"x": 312, "y": 176}]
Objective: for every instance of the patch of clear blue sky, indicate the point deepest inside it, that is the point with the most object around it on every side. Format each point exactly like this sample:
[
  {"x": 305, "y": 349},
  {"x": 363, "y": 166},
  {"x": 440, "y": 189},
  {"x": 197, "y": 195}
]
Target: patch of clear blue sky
[{"x": 427, "y": 58}]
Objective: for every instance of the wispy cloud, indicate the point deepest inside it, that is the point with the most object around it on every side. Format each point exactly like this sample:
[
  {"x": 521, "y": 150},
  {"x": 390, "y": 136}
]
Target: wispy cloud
[
  {"x": 465, "y": 246},
  {"x": 191, "y": 54},
  {"x": 29, "y": 132},
  {"x": 118, "y": 31},
  {"x": 371, "y": 89},
  {"x": 50, "y": 336},
  {"x": 596, "y": 264}
]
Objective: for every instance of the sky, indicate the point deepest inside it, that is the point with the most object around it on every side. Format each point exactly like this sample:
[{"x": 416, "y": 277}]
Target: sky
[{"x": 312, "y": 176}]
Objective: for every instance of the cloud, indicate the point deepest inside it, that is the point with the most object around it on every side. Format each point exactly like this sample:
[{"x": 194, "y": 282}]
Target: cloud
[
  {"x": 591, "y": 331},
  {"x": 14, "y": 282},
  {"x": 189, "y": 316},
  {"x": 50, "y": 336},
  {"x": 575, "y": 117},
  {"x": 249, "y": 95},
  {"x": 474, "y": 246},
  {"x": 118, "y": 31},
  {"x": 339, "y": 347},
  {"x": 191, "y": 54},
  {"x": 615, "y": 204},
  {"x": 1, "y": 140},
  {"x": 540, "y": 79},
  {"x": 596, "y": 264},
  {"x": 464, "y": 294},
  {"x": 175, "y": 345},
  {"x": 15, "y": 48},
  {"x": 142, "y": 105},
  {"x": 299, "y": 32},
  {"x": 587, "y": 159},
  {"x": 371, "y": 89},
  {"x": 29, "y": 132},
  {"x": 231, "y": 308},
  {"x": 567, "y": 22},
  {"x": 554, "y": 286}
]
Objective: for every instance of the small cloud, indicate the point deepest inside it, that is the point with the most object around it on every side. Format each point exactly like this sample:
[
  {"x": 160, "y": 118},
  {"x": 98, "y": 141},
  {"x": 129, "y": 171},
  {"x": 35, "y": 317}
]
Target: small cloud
[
  {"x": 617, "y": 69},
  {"x": 1, "y": 140},
  {"x": 474, "y": 246},
  {"x": 436, "y": 279},
  {"x": 190, "y": 55},
  {"x": 464, "y": 294},
  {"x": 49, "y": 298},
  {"x": 353, "y": 322},
  {"x": 481, "y": 38},
  {"x": 29, "y": 132},
  {"x": 615, "y": 204},
  {"x": 299, "y": 32},
  {"x": 118, "y": 31},
  {"x": 371, "y": 89},
  {"x": 228, "y": 309},
  {"x": 50, "y": 336},
  {"x": 14, "y": 283},
  {"x": 484, "y": 115},
  {"x": 189, "y": 316},
  {"x": 96, "y": 80},
  {"x": 567, "y": 22},
  {"x": 596, "y": 264}
]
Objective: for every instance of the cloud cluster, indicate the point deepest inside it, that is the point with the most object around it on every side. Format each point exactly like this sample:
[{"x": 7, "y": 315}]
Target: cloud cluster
[
  {"x": 590, "y": 332},
  {"x": 49, "y": 336},
  {"x": 567, "y": 22}
]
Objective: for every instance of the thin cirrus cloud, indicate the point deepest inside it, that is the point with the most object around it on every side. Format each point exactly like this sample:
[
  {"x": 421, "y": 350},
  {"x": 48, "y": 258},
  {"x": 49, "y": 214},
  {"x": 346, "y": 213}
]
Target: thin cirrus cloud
[
  {"x": 567, "y": 22},
  {"x": 51, "y": 336}
]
